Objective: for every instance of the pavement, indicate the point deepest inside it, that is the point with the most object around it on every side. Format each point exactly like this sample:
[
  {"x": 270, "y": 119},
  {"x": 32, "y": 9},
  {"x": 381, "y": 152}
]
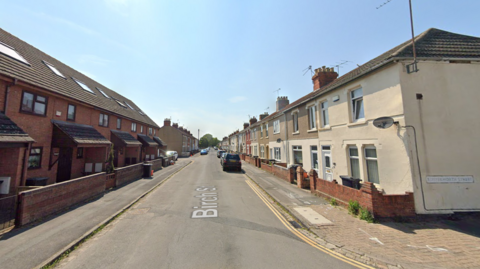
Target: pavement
[
  {"x": 442, "y": 242},
  {"x": 32, "y": 246}
]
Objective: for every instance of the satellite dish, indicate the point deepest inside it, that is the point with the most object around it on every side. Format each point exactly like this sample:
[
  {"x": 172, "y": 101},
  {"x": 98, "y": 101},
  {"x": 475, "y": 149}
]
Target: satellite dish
[
  {"x": 383, "y": 122},
  {"x": 279, "y": 140}
]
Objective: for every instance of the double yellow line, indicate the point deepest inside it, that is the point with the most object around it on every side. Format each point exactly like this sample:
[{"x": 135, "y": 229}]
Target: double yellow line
[{"x": 302, "y": 236}]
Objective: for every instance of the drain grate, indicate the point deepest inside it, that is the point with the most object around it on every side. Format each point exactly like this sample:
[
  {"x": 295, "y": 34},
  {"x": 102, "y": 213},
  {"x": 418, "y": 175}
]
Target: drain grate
[{"x": 295, "y": 224}]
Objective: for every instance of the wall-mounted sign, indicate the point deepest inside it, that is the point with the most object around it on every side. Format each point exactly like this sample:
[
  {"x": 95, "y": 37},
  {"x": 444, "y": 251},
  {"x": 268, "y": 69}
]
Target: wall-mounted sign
[
  {"x": 335, "y": 98},
  {"x": 449, "y": 179},
  {"x": 58, "y": 113}
]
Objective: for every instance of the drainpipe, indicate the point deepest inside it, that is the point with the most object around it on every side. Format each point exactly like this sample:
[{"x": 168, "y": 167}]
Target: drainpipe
[
  {"x": 7, "y": 90},
  {"x": 286, "y": 140},
  {"x": 25, "y": 165}
]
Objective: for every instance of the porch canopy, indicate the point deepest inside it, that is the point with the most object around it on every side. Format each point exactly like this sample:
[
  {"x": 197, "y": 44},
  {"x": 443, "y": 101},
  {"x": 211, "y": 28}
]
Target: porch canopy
[
  {"x": 11, "y": 135},
  {"x": 146, "y": 141},
  {"x": 124, "y": 139},
  {"x": 69, "y": 134},
  {"x": 159, "y": 141}
]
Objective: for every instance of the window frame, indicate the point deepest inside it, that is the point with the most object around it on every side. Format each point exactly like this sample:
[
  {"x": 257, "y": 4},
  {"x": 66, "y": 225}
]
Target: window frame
[
  {"x": 150, "y": 131},
  {"x": 295, "y": 122},
  {"x": 276, "y": 127},
  {"x": 275, "y": 151},
  {"x": 353, "y": 104},
  {"x": 35, "y": 96},
  {"x": 80, "y": 152},
  {"x": 297, "y": 149},
  {"x": 261, "y": 131},
  {"x": 141, "y": 129},
  {"x": 312, "y": 117},
  {"x": 371, "y": 159},
  {"x": 266, "y": 130},
  {"x": 350, "y": 157},
  {"x": 74, "y": 112},
  {"x": 101, "y": 120},
  {"x": 312, "y": 151},
  {"x": 119, "y": 123},
  {"x": 133, "y": 127},
  {"x": 35, "y": 154},
  {"x": 83, "y": 86},
  {"x": 325, "y": 121},
  {"x": 54, "y": 69}
]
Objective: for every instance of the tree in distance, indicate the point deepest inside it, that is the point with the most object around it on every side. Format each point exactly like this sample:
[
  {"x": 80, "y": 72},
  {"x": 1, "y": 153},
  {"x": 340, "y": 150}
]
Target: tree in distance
[{"x": 208, "y": 141}]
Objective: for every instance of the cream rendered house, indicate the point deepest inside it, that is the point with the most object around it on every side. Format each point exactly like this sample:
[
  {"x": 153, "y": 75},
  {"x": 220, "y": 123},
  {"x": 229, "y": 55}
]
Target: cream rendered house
[{"x": 439, "y": 105}]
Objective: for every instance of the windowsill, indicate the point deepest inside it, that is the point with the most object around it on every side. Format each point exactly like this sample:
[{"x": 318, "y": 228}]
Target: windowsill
[
  {"x": 325, "y": 128},
  {"x": 358, "y": 122},
  {"x": 296, "y": 133},
  {"x": 312, "y": 131}
]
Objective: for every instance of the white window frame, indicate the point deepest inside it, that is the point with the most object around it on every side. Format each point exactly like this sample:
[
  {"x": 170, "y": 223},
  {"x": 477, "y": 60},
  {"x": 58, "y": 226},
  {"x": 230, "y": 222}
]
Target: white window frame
[
  {"x": 354, "y": 105},
  {"x": 12, "y": 53},
  {"x": 262, "y": 151},
  {"x": 312, "y": 117},
  {"x": 312, "y": 151},
  {"x": 325, "y": 121},
  {"x": 277, "y": 153},
  {"x": 54, "y": 69},
  {"x": 276, "y": 127},
  {"x": 141, "y": 129},
  {"x": 297, "y": 149},
  {"x": 261, "y": 131},
  {"x": 371, "y": 159},
  {"x": 350, "y": 157},
  {"x": 103, "y": 120},
  {"x": 134, "y": 127},
  {"x": 83, "y": 85},
  {"x": 266, "y": 130},
  {"x": 295, "y": 122}
]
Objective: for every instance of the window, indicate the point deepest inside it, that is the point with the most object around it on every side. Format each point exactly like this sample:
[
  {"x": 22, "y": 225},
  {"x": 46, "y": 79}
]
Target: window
[
  {"x": 255, "y": 151},
  {"x": 297, "y": 155},
  {"x": 33, "y": 103},
  {"x": 79, "y": 153},
  {"x": 278, "y": 156},
  {"x": 324, "y": 107},
  {"x": 261, "y": 131},
  {"x": 102, "y": 92},
  {"x": 255, "y": 133},
  {"x": 262, "y": 151},
  {"x": 81, "y": 84},
  {"x": 134, "y": 127},
  {"x": 354, "y": 162},
  {"x": 357, "y": 104},
  {"x": 295, "y": 122},
  {"x": 154, "y": 131},
  {"x": 266, "y": 130},
  {"x": 314, "y": 151},
  {"x": 150, "y": 131},
  {"x": 372, "y": 164},
  {"x": 312, "y": 122},
  {"x": 35, "y": 158},
  {"x": 12, "y": 53},
  {"x": 141, "y": 112},
  {"x": 55, "y": 70},
  {"x": 103, "y": 120},
  {"x": 121, "y": 104},
  {"x": 276, "y": 127},
  {"x": 129, "y": 106},
  {"x": 71, "y": 112},
  {"x": 119, "y": 123}
]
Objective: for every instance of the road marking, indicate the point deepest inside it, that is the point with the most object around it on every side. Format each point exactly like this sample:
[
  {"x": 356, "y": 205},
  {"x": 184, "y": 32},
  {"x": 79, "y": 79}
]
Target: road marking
[
  {"x": 371, "y": 237},
  {"x": 302, "y": 236},
  {"x": 208, "y": 203}
]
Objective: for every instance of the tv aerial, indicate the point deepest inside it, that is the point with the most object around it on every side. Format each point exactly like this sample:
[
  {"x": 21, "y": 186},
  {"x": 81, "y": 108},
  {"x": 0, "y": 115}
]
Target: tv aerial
[
  {"x": 339, "y": 64},
  {"x": 306, "y": 70},
  {"x": 278, "y": 94}
]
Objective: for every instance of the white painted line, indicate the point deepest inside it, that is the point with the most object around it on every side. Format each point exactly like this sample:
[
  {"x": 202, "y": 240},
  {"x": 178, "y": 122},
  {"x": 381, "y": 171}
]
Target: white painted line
[
  {"x": 371, "y": 237},
  {"x": 312, "y": 216}
]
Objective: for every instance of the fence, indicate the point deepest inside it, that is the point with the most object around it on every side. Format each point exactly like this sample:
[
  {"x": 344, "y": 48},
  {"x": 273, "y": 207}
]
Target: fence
[{"x": 8, "y": 208}]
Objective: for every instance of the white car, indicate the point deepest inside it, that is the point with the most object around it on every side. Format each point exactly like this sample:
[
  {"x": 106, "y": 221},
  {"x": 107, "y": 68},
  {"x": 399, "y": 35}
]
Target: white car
[{"x": 172, "y": 153}]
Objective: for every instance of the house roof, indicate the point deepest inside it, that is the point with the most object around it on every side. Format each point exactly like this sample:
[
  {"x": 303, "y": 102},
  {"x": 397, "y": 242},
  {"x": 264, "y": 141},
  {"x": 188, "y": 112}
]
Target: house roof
[
  {"x": 37, "y": 73},
  {"x": 126, "y": 138},
  {"x": 10, "y": 132},
  {"x": 81, "y": 133},
  {"x": 159, "y": 141},
  {"x": 433, "y": 44},
  {"x": 146, "y": 141}
]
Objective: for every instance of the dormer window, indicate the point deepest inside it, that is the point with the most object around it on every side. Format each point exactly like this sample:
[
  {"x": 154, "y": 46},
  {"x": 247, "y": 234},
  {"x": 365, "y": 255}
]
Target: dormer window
[
  {"x": 102, "y": 92},
  {"x": 12, "y": 53},
  {"x": 81, "y": 84},
  {"x": 54, "y": 70}
]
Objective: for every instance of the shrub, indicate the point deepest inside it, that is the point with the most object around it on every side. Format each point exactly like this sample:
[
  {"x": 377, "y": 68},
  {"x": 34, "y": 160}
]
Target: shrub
[
  {"x": 353, "y": 207},
  {"x": 333, "y": 202},
  {"x": 366, "y": 215}
]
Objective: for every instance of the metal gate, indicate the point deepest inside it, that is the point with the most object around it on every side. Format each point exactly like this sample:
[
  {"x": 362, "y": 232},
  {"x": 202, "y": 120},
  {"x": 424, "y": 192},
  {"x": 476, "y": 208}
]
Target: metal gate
[{"x": 8, "y": 210}]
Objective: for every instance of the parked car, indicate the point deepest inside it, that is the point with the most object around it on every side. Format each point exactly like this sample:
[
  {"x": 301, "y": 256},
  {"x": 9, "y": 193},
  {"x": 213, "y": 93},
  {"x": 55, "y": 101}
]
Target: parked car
[
  {"x": 222, "y": 156},
  {"x": 219, "y": 153},
  {"x": 172, "y": 153},
  {"x": 232, "y": 161},
  {"x": 203, "y": 152}
]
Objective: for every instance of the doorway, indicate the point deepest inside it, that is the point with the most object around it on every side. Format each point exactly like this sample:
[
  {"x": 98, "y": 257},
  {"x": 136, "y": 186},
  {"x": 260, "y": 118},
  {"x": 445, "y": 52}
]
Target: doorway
[
  {"x": 64, "y": 169},
  {"x": 327, "y": 163}
]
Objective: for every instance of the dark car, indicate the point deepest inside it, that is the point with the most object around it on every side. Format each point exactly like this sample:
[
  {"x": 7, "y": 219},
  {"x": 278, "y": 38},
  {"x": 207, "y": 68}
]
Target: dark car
[
  {"x": 203, "y": 152},
  {"x": 219, "y": 153},
  {"x": 232, "y": 161}
]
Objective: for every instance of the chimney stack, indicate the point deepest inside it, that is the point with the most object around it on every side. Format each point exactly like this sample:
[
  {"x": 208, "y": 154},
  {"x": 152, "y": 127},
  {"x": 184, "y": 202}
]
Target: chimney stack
[
  {"x": 253, "y": 120},
  {"x": 263, "y": 116},
  {"x": 245, "y": 125},
  {"x": 175, "y": 125},
  {"x": 166, "y": 122},
  {"x": 323, "y": 76},
  {"x": 282, "y": 102}
]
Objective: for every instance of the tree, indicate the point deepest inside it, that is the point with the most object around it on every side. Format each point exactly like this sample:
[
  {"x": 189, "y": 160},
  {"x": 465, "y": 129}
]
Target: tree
[{"x": 208, "y": 141}]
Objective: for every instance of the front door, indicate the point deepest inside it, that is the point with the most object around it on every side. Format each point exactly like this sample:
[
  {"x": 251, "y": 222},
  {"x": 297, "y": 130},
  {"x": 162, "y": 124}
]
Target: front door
[
  {"x": 64, "y": 164},
  {"x": 327, "y": 163}
]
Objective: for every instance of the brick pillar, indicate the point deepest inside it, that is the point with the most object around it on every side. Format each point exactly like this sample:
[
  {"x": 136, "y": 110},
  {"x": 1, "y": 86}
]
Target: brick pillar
[
  {"x": 369, "y": 194},
  {"x": 299, "y": 176},
  {"x": 313, "y": 180}
]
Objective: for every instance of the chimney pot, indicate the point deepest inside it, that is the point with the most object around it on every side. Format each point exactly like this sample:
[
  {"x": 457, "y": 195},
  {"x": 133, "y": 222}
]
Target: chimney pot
[
  {"x": 323, "y": 77},
  {"x": 282, "y": 102}
]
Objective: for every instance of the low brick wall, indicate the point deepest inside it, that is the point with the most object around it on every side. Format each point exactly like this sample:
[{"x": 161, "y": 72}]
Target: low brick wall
[
  {"x": 284, "y": 173},
  {"x": 110, "y": 181},
  {"x": 250, "y": 160},
  {"x": 266, "y": 167},
  {"x": 127, "y": 174},
  {"x": 381, "y": 205},
  {"x": 41, "y": 202},
  {"x": 156, "y": 164}
]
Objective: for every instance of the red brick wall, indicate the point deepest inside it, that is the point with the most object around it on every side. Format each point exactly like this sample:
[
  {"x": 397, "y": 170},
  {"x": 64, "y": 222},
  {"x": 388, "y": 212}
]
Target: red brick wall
[
  {"x": 156, "y": 164},
  {"x": 41, "y": 202},
  {"x": 266, "y": 167},
  {"x": 11, "y": 166},
  {"x": 283, "y": 173},
  {"x": 127, "y": 174}
]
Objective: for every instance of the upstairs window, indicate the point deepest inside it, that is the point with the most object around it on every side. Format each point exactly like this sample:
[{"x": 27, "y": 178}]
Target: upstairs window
[
  {"x": 261, "y": 131},
  {"x": 119, "y": 123},
  {"x": 141, "y": 129},
  {"x": 102, "y": 92},
  {"x": 266, "y": 130},
  {"x": 150, "y": 131},
  {"x": 12, "y": 53},
  {"x": 357, "y": 104},
  {"x": 324, "y": 107},
  {"x": 129, "y": 106},
  {"x": 103, "y": 120},
  {"x": 121, "y": 104},
  {"x": 71, "y": 112},
  {"x": 134, "y": 127},
  {"x": 35, "y": 158},
  {"x": 34, "y": 104},
  {"x": 312, "y": 121},
  {"x": 276, "y": 127},
  {"x": 81, "y": 84},
  {"x": 141, "y": 112},
  {"x": 295, "y": 122},
  {"x": 54, "y": 70}
]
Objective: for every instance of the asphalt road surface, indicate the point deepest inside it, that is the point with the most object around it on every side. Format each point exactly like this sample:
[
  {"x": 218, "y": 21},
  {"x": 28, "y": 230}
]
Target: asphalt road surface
[{"x": 234, "y": 229}]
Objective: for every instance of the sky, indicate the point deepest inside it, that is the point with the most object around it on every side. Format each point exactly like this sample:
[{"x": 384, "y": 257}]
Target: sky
[{"x": 210, "y": 65}]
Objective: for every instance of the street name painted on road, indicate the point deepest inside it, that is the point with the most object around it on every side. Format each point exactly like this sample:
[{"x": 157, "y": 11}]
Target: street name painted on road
[{"x": 208, "y": 203}]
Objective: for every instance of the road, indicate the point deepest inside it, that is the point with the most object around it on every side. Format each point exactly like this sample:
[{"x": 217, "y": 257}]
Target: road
[{"x": 159, "y": 231}]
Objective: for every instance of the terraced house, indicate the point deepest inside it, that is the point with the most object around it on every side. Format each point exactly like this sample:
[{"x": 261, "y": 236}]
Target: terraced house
[{"x": 57, "y": 124}]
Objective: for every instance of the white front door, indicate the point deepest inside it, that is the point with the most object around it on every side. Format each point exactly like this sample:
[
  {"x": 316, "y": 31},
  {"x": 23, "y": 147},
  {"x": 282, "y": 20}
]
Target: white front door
[{"x": 327, "y": 163}]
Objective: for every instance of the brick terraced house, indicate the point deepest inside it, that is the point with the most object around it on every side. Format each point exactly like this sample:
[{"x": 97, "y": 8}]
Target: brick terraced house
[
  {"x": 178, "y": 139},
  {"x": 57, "y": 124}
]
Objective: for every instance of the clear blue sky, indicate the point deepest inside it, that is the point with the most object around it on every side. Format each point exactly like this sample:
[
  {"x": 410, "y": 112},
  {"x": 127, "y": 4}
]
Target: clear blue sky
[{"x": 210, "y": 64}]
